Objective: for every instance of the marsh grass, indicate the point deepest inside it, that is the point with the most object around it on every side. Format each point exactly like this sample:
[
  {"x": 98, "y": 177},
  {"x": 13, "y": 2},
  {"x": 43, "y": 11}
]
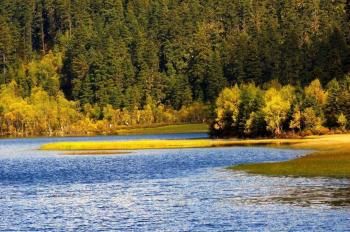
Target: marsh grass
[
  {"x": 161, "y": 144},
  {"x": 331, "y": 160}
]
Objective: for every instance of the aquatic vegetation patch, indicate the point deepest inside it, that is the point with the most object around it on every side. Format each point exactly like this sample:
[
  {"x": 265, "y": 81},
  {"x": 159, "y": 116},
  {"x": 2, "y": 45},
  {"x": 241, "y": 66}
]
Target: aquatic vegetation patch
[
  {"x": 162, "y": 144},
  {"x": 333, "y": 160}
]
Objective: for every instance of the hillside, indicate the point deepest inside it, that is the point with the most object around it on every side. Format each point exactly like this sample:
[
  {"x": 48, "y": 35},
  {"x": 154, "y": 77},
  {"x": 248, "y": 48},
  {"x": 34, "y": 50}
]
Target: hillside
[{"x": 143, "y": 57}]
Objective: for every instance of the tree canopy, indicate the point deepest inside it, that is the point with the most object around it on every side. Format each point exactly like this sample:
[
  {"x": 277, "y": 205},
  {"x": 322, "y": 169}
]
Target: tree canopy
[{"x": 144, "y": 55}]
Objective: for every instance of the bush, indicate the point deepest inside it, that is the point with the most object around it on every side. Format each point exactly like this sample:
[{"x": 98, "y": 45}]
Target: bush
[
  {"x": 307, "y": 133},
  {"x": 321, "y": 131}
]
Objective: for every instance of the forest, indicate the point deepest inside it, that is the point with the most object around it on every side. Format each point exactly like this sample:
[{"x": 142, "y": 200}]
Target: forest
[{"x": 247, "y": 67}]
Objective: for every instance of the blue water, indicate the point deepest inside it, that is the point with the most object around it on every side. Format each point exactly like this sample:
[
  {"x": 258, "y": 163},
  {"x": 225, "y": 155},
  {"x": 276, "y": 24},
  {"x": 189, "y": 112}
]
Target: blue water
[{"x": 161, "y": 190}]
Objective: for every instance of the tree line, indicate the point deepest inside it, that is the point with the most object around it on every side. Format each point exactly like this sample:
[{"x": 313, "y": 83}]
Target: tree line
[
  {"x": 42, "y": 114},
  {"x": 275, "y": 110}
]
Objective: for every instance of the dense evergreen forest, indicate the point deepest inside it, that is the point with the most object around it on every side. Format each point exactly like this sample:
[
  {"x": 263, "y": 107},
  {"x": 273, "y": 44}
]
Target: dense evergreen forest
[{"x": 73, "y": 66}]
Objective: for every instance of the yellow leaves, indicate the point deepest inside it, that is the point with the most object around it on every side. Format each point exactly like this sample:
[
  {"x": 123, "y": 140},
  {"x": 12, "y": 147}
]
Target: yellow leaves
[
  {"x": 10, "y": 116},
  {"x": 249, "y": 123},
  {"x": 311, "y": 120},
  {"x": 342, "y": 121},
  {"x": 45, "y": 114},
  {"x": 67, "y": 111},
  {"x": 288, "y": 93},
  {"x": 43, "y": 72},
  {"x": 9, "y": 96},
  {"x": 147, "y": 117},
  {"x": 228, "y": 102},
  {"x": 196, "y": 112},
  {"x": 315, "y": 91},
  {"x": 37, "y": 114},
  {"x": 275, "y": 110},
  {"x": 83, "y": 126},
  {"x": 296, "y": 121}
]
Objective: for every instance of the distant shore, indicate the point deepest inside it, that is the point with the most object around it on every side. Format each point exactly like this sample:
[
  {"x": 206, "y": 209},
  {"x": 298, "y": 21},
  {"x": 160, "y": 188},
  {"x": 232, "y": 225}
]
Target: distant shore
[
  {"x": 166, "y": 129},
  {"x": 146, "y": 130}
]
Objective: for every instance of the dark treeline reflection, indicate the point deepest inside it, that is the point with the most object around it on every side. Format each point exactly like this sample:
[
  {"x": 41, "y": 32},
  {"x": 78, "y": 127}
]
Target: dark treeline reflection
[{"x": 305, "y": 196}]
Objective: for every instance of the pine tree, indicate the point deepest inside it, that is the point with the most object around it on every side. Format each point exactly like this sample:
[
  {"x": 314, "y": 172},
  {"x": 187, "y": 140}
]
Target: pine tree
[{"x": 332, "y": 108}]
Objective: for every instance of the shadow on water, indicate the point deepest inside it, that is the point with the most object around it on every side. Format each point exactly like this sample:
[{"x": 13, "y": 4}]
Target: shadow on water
[{"x": 306, "y": 196}]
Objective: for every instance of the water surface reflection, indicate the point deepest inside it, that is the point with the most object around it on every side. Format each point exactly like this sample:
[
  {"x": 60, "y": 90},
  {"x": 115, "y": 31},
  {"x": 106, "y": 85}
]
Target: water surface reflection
[
  {"x": 336, "y": 196},
  {"x": 161, "y": 190}
]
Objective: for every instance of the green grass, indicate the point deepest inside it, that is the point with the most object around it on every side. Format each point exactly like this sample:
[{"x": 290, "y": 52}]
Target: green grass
[
  {"x": 170, "y": 129},
  {"x": 333, "y": 160}
]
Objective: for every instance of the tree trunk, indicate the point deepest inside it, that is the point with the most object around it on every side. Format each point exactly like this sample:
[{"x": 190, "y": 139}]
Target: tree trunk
[
  {"x": 4, "y": 63},
  {"x": 42, "y": 35}
]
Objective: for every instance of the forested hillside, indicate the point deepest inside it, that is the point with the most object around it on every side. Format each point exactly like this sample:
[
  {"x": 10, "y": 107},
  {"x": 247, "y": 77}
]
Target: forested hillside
[{"x": 154, "y": 56}]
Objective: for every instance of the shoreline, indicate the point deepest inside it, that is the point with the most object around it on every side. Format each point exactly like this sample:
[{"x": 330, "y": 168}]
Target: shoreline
[{"x": 330, "y": 156}]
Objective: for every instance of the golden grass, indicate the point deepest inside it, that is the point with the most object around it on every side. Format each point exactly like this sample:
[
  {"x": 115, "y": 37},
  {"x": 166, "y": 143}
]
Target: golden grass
[
  {"x": 320, "y": 142},
  {"x": 163, "y": 144}
]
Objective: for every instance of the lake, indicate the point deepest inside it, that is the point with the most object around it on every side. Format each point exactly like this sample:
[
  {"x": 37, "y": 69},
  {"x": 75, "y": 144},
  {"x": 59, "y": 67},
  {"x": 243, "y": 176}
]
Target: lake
[{"x": 161, "y": 190}]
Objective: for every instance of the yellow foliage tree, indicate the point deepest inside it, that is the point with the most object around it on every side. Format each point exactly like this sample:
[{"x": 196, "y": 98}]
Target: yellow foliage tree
[
  {"x": 45, "y": 107},
  {"x": 275, "y": 110},
  {"x": 342, "y": 121},
  {"x": 227, "y": 104},
  {"x": 295, "y": 123},
  {"x": 311, "y": 120},
  {"x": 315, "y": 92}
]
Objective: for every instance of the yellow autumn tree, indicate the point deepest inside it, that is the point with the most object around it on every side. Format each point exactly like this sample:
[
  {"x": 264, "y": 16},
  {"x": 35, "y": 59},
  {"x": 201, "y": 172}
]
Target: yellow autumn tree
[
  {"x": 315, "y": 93},
  {"x": 227, "y": 107},
  {"x": 45, "y": 107},
  {"x": 295, "y": 123},
  {"x": 342, "y": 121},
  {"x": 275, "y": 110},
  {"x": 311, "y": 120},
  {"x": 67, "y": 113}
]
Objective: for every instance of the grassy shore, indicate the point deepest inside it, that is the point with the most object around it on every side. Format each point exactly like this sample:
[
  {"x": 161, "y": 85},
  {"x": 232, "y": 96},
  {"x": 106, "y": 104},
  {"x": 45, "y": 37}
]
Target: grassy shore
[{"x": 331, "y": 159}]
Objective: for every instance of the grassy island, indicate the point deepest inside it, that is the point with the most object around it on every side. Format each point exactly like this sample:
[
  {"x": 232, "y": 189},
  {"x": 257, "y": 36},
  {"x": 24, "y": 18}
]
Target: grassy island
[
  {"x": 163, "y": 144},
  {"x": 331, "y": 158}
]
